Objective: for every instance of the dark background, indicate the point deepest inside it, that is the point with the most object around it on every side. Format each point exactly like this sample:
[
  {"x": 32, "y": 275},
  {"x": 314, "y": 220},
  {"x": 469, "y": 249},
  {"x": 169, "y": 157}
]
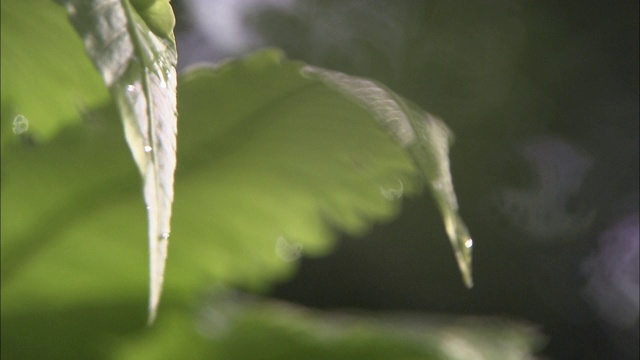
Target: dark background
[{"x": 543, "y": 99}]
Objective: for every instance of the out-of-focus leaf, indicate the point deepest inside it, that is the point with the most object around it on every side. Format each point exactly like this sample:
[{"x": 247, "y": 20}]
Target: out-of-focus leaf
[
  {"x": 89, "y": 331},
  {"x": 59, "y": 245},
  {"x": 47, "y": 80},
  {"x": 138, "y": 65},
  {"x": 273, "y": 161},
  {"x": 235, "y": 326}
]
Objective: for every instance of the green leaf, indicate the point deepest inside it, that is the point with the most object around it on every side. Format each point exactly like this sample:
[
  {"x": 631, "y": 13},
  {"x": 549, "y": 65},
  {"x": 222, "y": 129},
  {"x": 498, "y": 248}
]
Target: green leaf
[
  {"x": 240, "y": 327},
  {"x": 139, "y": 68},
  {"x": 47, "y": 80},
  {"x": 425, "y": 137},
  {"x": 58, "y": 246},
  {"x": 247, "y": 329},
  {"x": 273, "y": 162},
  {"x": 236, "y": 326}
]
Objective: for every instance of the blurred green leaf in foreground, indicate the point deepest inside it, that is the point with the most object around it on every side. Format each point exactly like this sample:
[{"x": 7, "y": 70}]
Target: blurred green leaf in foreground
[{"x": 236, "y": 326}]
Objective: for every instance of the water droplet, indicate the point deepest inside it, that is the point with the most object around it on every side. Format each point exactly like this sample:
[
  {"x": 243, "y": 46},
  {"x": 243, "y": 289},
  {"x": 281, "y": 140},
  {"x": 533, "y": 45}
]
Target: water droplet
[
  {"x": 163, "y": 84},
  {"x": 20, "y": 124},
  {"x": 393, "y": 193},
  {"x": 164, "y": 236},
  {"x": 287, "y": 251},
  {"x": 148, "y": 149},
  {"x": 71, "y": 9},
  {"x": 468, "y": 244},
  {"x": 130, "y": 88}
]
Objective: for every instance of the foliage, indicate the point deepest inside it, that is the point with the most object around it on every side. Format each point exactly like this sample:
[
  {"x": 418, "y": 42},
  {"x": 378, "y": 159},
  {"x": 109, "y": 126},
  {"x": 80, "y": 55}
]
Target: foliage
[{"x": 274, "y": 156}]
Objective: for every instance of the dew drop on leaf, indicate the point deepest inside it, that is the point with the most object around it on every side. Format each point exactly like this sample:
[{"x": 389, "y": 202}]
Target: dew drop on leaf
[
  {"x": 393, "y": 193},
  {"x": 20, "y": 124},
  {"x": 286, "y": 250}
]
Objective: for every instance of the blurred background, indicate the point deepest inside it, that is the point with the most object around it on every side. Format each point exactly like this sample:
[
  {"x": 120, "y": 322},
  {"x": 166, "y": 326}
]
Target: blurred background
[{"x": 543, "y": 99}]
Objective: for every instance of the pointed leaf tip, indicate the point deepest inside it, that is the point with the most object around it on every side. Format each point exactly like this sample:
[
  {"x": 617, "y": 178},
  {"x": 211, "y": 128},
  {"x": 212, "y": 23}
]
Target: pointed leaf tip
[
  {"x": 462, "y": 245},
  {"x": 431, "y": 153},
  {"x": 158, "y": 254}
]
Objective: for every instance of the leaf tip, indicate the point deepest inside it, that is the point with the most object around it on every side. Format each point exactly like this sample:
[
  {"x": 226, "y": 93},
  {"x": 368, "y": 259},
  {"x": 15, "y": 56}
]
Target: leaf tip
[
  {"x": 464, "y": 264},
  {"x": 158, "y": 257},
  {"x": 462, "y": 244}
]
